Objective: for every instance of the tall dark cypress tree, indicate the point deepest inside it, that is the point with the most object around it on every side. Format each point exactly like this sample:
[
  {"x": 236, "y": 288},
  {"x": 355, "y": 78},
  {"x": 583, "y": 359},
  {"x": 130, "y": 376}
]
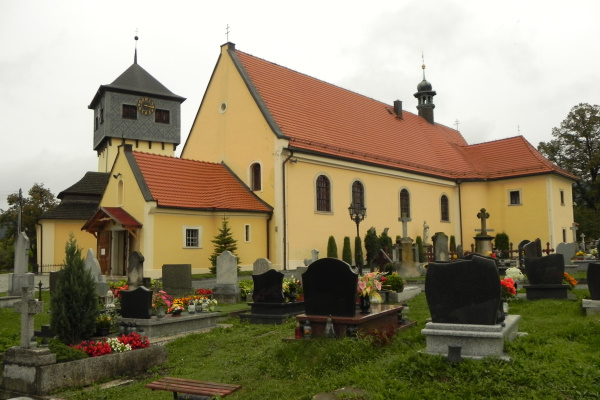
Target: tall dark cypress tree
[{"x": 74, "y": 304}]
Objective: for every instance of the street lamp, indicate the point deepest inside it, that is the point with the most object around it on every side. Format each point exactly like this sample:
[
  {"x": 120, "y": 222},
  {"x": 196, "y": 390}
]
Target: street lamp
[{"x": 357, "y": 214}]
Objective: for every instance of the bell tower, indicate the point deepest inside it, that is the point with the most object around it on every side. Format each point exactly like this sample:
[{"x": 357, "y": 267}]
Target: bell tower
[
  {"x": 135, "y": 109},
  {"x": 425, "y": 95}
]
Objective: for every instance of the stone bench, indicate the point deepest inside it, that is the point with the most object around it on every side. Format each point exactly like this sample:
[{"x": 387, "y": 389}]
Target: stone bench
[{"x": 204, "y": 390}]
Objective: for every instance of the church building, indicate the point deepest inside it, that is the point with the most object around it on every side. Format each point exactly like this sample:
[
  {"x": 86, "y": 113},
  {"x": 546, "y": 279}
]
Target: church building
[{"x": 287, "y": 158}]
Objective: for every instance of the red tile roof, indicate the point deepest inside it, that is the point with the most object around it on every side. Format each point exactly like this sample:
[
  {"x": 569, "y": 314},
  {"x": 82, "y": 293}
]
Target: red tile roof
[
  {"x": 190, "y": 184},
  {"x": 320, "y": 117}
]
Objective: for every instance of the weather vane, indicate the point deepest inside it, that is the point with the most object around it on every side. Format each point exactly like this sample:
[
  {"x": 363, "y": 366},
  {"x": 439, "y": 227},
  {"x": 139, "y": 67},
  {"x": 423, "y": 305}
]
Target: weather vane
[
  {"x": 227, "y": 32},
  {"x": 456, "y": 123}
]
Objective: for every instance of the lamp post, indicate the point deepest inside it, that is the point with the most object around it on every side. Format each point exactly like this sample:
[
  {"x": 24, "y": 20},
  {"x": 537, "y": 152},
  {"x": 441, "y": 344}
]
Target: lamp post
[{"x": 357, "y": 214}]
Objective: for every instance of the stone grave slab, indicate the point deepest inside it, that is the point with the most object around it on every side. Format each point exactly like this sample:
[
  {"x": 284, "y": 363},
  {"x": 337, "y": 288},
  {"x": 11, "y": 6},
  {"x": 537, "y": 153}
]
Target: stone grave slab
[
  {"x": 177, "y": 279},
  {"x": 568, "y": 251},
  {"x": 545, "y": 275},
  {"x": 330, "y": 288},
  {"x": 135, "y": 270},
  {"x": 136, "y": 303},
  {"x": 260, "y": 266},
  {"x": 227, "y": 290},
  {"x": 463, "y": 292},
  {"x": 593, "y": 278},
  {"x": 268, "y": 287},
  {"x": 440, "y": 246}
]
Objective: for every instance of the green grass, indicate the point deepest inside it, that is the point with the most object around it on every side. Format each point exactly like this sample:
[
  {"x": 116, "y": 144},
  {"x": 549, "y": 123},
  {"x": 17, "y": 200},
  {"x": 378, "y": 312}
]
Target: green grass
[{"x": 558, "y": 359}]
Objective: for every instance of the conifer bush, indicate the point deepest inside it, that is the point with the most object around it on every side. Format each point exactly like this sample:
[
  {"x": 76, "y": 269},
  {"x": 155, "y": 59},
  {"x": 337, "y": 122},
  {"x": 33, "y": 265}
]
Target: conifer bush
[
  {"x": 502, "y": 243},
  {"x": 74, "y": 304},
  {"x": 372, "y": 245},
  {"x": 421, "y": 248},
  {"x": 332, "y": 251},
  {"x": 347, "y": 251},
  {"x": 358, "y": 253},
  {"x": 224, "y": 241}
]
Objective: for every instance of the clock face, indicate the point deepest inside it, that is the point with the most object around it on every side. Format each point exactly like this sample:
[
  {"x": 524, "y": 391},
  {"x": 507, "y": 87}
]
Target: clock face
[{"x": 146, "y": 106}]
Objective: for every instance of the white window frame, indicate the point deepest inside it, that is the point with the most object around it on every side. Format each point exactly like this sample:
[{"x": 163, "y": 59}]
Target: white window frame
[
  {"x": 247, "y": 233},
  {"x": 510, "y": 203},
  {"x": 198, "y": 230}
]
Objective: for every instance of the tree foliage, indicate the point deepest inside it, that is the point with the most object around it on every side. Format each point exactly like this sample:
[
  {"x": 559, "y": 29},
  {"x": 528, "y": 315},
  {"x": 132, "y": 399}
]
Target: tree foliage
[
  {"x": 347, "y": 251},
  {"x": 74, "y": 304},
  {"x": 358, "y": 254},
  {"x": 39, "y": 201},
  {"x": 224, "y": 241},
  {"x": 576, "y": 148},
  {"x": 332, "y": 251}
]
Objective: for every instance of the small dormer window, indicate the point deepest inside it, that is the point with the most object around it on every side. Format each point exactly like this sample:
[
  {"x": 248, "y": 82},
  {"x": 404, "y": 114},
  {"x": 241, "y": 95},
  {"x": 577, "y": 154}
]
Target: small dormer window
[
  {"x": 162, "y": 117},
  {"x": 129, "y": 111}
]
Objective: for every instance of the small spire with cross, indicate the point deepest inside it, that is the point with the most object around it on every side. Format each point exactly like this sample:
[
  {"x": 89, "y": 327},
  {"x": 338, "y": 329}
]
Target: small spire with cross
[
  {"x": 227, "y": 33},
  {"x": 456, "y": 123},
  {"x": 136, "y": 40}
]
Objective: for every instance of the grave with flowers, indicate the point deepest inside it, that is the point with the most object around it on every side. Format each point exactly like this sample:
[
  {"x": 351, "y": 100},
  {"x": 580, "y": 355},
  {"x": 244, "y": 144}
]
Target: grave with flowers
[
  {"x": 338, "y": 302},
  {"x": 465, "y": 300},
  {"x": 545, "y": 276}
]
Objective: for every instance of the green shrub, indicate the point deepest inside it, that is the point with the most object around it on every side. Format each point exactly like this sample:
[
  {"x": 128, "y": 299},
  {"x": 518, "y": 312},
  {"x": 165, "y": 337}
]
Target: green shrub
[
  {"x": 358, "y": 253},
  {"x": 421, "y": 248},
  {"x": 74, "y": 304},
  {"x": 372, "y": 245},
  {"x": 395, "y": 282},
  {"x": 332, "y": 248},
  {"x": 246, "y": 286},
  {"x": 347, "y": 251},
  {"x": 452, "y": 243},
  {"x": 388, "y": 268},
  {"x": 65, "y": 353},
  {"x": 502, "y": 243}
]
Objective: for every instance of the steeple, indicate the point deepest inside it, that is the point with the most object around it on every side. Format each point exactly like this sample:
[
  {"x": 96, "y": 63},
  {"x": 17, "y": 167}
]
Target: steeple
[
  {"x": 135, "y": 53},
  {"x": 425, "y": 96}
]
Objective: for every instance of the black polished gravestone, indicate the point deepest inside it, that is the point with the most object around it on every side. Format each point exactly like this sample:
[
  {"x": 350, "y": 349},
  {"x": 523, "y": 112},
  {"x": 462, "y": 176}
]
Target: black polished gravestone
[
  {"x": 136, "y": 303},
  {"x": 463, "y": 292},
  {"x": 269, "y": 306},
  {"x": 593, "y": 279},
  {"x": 268, "y": 287},
  {"x": 329, "y": 288},
  {"x": 545, "y": 275}
]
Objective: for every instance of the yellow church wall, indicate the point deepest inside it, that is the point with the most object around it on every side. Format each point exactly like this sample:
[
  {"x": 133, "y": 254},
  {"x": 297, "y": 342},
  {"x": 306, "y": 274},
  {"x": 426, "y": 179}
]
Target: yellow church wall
[
  {"x": 107, "y": 157},
  {"x": 310, "y": 229},
  {"x": 55, "y": 235}
]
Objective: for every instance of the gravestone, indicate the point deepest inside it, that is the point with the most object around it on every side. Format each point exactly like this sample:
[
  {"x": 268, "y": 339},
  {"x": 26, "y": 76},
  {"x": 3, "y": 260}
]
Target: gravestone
[
  {"x": 314, "y": 256},
  {"x": 92, "y": 265},
  {"x": 463, "y": 292},
  {"x": 177, "y": 279},
  {"x": 593, "y": 279},
  {"x": 521, "y": 248},
  {"x": 20, "y": 278},
  {"x": 329, "y": 288},
  {"x": 483, "y": 241},
  {"x": 545, "y": 275},
  {"x": 260, "y": 266},
  {"x": 440, "y": 247},
  {"x": 568, "y": 251},
  {"x": 533, "y": 249},
  {"x": 136, "y": 303},
  {"x": 28, "y": 307},
  {"x": 227, "y": 290},
  {"x": 135, "y": 270},
  {"x": 425, "y": 232},
  {"x": 268, "y": 287}
]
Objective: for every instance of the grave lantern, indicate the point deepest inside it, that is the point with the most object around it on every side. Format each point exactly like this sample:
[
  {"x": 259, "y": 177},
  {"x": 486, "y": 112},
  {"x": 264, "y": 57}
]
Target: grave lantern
[{"x": 109, "y": 300}]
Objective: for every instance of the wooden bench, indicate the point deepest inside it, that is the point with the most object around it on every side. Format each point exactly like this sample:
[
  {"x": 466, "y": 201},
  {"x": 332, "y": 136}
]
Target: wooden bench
[{"x": 191, "y": 387}]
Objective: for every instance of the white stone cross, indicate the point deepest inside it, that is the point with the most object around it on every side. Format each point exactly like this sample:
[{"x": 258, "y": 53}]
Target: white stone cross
[
  {"x": 405, "y": 221},
  {"x": 574, "y": 228},
  {"x": 28, "y": 307}
]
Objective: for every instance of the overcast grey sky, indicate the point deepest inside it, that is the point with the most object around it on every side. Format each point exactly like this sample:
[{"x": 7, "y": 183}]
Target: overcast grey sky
[{"x": 500, "y": 68}]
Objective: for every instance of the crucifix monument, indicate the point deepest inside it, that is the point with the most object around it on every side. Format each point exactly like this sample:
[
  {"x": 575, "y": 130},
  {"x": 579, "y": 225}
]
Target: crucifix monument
[
  {"x": 483, "y": 241},
  {"x": 574, "y": 228}
]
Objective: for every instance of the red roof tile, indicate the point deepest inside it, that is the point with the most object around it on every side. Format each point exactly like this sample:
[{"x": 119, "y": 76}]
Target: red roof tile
[
  {"x": 324, "y": 118},
  {"x": 190, "y": 184}
]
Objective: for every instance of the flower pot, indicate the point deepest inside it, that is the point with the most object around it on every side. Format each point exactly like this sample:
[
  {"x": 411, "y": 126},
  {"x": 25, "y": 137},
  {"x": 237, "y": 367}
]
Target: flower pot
[
  {"x": 192, "y": 308},
  {"x": 102, "y": 331},
  {"x": 176, "y": 313},
  {"x": 160, "y": 312},
  {"x": 364, "y": 304}
]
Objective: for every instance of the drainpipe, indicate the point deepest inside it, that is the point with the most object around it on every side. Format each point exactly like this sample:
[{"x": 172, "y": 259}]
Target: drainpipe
[
  {"x": 41, "y": 246},
  {"x": 284, "y": 208},
  {"x": 458, "y": 182},
  {"x": 269, "y": 236}
]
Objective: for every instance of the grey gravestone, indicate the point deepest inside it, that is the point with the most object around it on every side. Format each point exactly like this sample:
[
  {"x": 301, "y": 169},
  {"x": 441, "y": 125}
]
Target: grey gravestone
[
  {"x": 593, "y": 278},
  {"x": 268, "y": 287},
  {"x": 28, "y": 307},
  {"x": 548, "y": 270},
  {"x": 177, "y": 278},
  {"x": 227, "y": 289},
  {"x": 463, "y": 292},
  {"x": 135, "y": 270},
  {"x": 568, "y": 251},
  {"x": 20, "y": 278},
  {"x": 440, "y": 246},
  {"x": 459, "y": 251},
  {"x": 330, "y": 288},
  {"x": 136, "y": 303},
  {"x": 92, "y": 265},
  {"x": 260, "y": 266}
]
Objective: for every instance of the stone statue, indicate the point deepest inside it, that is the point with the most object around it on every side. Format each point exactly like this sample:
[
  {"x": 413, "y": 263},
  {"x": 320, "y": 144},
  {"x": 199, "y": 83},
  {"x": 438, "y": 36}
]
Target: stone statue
[{"x": 425, "y": 232}]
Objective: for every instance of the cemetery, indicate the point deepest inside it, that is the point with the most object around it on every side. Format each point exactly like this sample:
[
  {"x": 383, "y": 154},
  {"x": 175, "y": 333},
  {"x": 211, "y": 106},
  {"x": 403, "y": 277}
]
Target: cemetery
[{"x": 322, "y": 316}]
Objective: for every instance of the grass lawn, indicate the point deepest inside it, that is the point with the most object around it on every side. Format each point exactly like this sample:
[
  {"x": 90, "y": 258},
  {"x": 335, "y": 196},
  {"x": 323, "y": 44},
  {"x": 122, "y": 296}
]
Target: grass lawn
[{"x": 559, "y": 359}]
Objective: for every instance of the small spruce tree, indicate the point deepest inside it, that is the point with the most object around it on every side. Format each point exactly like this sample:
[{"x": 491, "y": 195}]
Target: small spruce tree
[
  {"x": 332, "y": 248},
  {"x": 452, "y": 243},
  {"x": 358, "y": 254},
  {"x": 502, "y": 243},
  {"x": 372, "y": 245},
  {"x": 74, "y": 304},
  {"x": 347, "y": 251},
  {"x": 224, "y": 241},
  {"x": 421, "y": 248}
]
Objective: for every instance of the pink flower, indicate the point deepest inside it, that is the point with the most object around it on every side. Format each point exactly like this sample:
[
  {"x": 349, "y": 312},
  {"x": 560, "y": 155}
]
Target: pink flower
[{"x": 362, "y": 285}]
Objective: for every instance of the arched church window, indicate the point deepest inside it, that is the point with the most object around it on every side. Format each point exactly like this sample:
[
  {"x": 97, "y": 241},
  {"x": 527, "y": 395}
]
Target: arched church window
[
  {"x": 323, "y": 190},
  {"x": 255, "y": 176},
  {"x": 404, "y": 203},
  {"x": 444, "y": 208},
  {"x": 358, "y": 195}
]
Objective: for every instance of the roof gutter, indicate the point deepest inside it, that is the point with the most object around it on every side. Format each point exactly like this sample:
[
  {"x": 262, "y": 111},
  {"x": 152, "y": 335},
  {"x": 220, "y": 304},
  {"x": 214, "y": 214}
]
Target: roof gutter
[
  {"x": 284, "y": 206},
  {"x": 460, "y": 239}
]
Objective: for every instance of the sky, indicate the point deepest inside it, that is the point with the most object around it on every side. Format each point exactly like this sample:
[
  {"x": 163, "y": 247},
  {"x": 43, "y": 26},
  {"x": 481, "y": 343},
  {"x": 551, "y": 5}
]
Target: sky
[{"x": 500, "y": 69}]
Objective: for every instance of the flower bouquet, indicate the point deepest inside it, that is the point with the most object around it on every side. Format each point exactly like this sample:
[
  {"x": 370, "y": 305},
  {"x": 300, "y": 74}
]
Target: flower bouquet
[
  {"x": 177, "y": 307},
  {"x": 508, "y": 289},
  {"x": 515, "y": 274},
  {"x": 161, "y": 299},
  {"x": 568, "y": 279},
  {"x": 369, "y": 284}
]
